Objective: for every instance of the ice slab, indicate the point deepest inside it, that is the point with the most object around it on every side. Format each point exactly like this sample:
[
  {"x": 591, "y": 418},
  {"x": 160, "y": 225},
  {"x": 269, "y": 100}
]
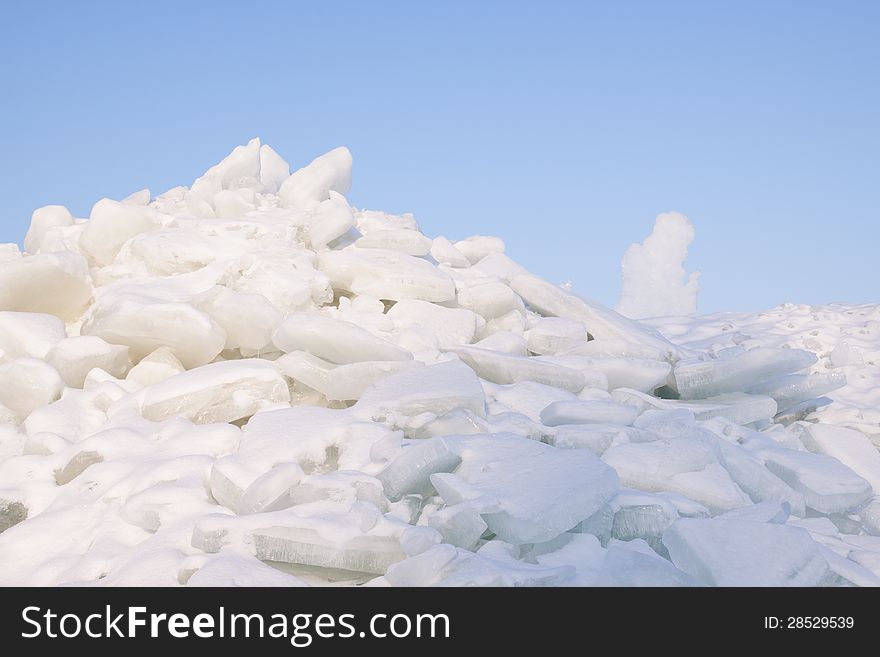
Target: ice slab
[
  {"x": 588, "y": 412},
  {"x": 42, "y": 220},
  {"x": 74, "y": 357},
  {"x": 406, "y": 241},
  {"x": 506, "y": 369},
  {"x": 218, "y": 392},
  {"x": 385, "y": 275},
  {"x": 333, "y": 339},
  {"x": 725, "y": 552},
  {"x": 434, "y": 389},
  {"x": 827, "y": 485},
  {"x": 193, "y": 337},
  {"x": 56, "y": 283},
  {"x": 314, "y": 182},
  {"x": 792, "y": 389},
  {"x": 26, "y": 384},
  {"x": 450, "y": 326},
  {"x": 527, "y": 492},
  {"x": 29, "y": 334},
  {"x": 695, "y": 379},
  {"x": 600, "y": 322},
  {"x": 636, "y": 373},
  {"x": 110, "y": 225},
  {"x": 849, "y": 446},
  {"x": 411, "y": 471}
]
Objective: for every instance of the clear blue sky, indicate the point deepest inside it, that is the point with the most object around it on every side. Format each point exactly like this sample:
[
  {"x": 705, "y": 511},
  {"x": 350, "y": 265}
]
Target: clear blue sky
[{"x": 563, "y": 127}]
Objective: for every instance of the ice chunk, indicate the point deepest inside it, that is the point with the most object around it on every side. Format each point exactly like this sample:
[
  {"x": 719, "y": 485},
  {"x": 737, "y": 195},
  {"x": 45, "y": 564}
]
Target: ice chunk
[
  {"x": 434, "y": 389},
  {"x": 641, "y": 515},
  {"x": 682, "y": 465},
  {"x": 333, "y": 339},
  {"x": 156, "y": 366},
  {"x": 140, "y": 197},
  {"x": 793, "y": 389},
  {"x": 230, "y": 203},
  {"x": 827, "y": 485},
  {"x": 601, "y": 322},
  {"x": 274, "y": 170},
  {"x": 849, "y": 446},
  {"x": 450, "y": 326},
  {"x": 725, "y": 552},
  {"x": 242, "y": 163},
  {"x": 477, "y": 247},
  {"x": 193, "y": 337},
  {"x": 248, "y": 319},
  {"x": 218, "y": 392},
  {"x": 635, "y": 564},
  {"x": 445, "y": 253},
  {"x": 588, "y": 412},
  {"x": 612, "y": 349},
  {"x": 331, "y": 220},
  {"x": 411, "y": 471},
  {"x": 314, "y": 182},
  {"x": 595, "y": 437},
  {"x": 26, "y": 384},
  {"x": 29, "y": 334},
  {"x": 42, "y": 220},
  {"x": 527, "y": 492},
  {"x": 777, "y": 512},
  {"x": 459, "y": 525},
  {"x": 654, "y": 280},
  {"x": 386, "y": 275},
  {"x": 700, "y": 379},
  {"x": 74, "y": 357},
  {"x": 506, "y": 369},
  {"x": 636, "y": 373},
  {"x": 552, "y": 335},
  {"x": 55, "y": 283},
  {"x": 406, "y": 241},
  {"x": 110, "y": 225},
  {"x": 489, "y": 299},
  {"x": 271, "y": 491}
]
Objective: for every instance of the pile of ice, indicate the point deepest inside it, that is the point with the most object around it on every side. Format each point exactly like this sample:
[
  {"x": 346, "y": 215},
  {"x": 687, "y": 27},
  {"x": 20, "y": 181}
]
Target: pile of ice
[{"x": 250, "y": 382}]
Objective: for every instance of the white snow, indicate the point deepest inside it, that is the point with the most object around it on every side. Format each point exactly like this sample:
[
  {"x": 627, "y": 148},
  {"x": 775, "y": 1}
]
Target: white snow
[
  {"x": 654, "y": 282},
  {"x": 248, "y": 381}
]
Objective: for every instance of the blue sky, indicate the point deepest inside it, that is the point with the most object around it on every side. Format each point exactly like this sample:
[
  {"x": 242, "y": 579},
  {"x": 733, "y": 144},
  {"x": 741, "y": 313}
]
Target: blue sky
[{"x": 563, "y": 127}]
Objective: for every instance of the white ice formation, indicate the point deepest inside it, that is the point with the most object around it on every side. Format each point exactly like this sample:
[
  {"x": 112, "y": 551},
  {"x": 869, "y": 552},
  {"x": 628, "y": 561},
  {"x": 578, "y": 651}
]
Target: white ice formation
[
  {"x": 654, "y": 282},
  {"x": 249, "y": 382}
]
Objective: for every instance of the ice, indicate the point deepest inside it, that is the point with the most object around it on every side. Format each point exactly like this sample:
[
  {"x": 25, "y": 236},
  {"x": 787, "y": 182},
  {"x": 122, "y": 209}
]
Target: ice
[
  {"x": 450, "y": 327},
  {"x": 725, "y": 552},
  {"x": 110, "y": 225},
  {"x": 411, "y": 471},
  {"x": 552, "y": 335},
  {"x": 314, "y": 182},
  {"x": 42, "y": 220},
  {"x": 219, "y": 392},
  {"x": 445, "y": 253},
  {"x": 252, "y": 382},
  {"x": 191, "y": 335},
  {"x": 489, "y": 299},
  {"x": 56, "y": 283},
  {"x": 459, "y": 525},
  {"x": 498, "y": 477},
  {"x": 334, "y": 340},
  {"x": 654, "y": 281},
  {"x": 850, "y": 447},
  {"x": 827, "y": 485},
  {"x": 26, "y": 384},
  {"x": 74, "y": 357},
  {"x": 600, "y": 322},
  {"x": 477, "y": 247},
  {"x": 406, "y": 241},
  {"x": 156, "y": 366},
  {"x": 701, "y": 379},
  {"x": 686, "y": 466},
  {"x": 793, "y": 389},
  {"x": 435, "y": 389},
  {"x": 636, "y": 373},
  {"x": 588, "y": 412},
  {"x": 385, "y": 275},
  {"x": 505, "y": 369},
  {"x": 29, "y": 334}
]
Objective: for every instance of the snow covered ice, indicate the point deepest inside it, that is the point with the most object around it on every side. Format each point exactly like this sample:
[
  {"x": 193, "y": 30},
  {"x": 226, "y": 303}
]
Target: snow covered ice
[{"x": 248, "y": 381}]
